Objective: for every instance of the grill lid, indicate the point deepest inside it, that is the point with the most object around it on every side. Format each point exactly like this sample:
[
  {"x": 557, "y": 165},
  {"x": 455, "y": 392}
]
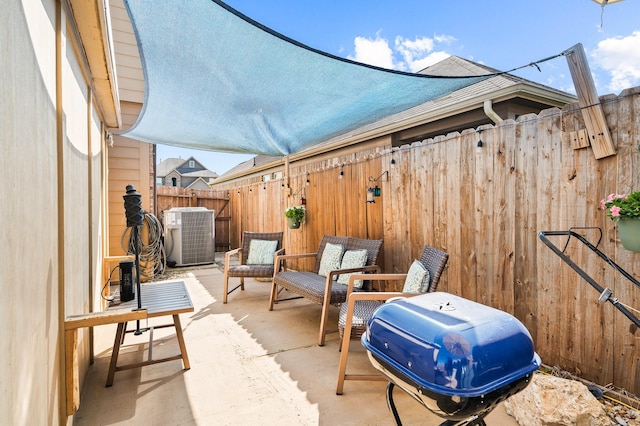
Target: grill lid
[{"x": 450, "y": 345}]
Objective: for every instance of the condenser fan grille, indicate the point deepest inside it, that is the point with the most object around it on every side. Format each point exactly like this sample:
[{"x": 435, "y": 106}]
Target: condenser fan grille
[{"x": 197, "y": 235}]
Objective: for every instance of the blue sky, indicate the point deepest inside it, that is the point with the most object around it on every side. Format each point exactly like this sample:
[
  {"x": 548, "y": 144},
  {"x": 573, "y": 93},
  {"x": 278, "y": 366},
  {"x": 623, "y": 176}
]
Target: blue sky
[{"x": 412, "y": 34}]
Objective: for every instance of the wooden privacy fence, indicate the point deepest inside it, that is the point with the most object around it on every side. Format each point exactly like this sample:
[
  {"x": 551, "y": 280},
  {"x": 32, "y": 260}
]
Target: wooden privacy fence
[
  {"x": 168, "y": 197},
  {"x": 484, "y": 196}
]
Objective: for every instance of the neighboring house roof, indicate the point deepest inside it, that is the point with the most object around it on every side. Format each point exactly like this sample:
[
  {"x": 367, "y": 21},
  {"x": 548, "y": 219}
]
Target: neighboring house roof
[
  {"x": 199, "y": 183},
  {"x": 189, "y": 175},
  {"x": 201, "y": 174},
  {"x": 165, "y": 167},
  {"x": 246, "y": 166},
  {"x": 503, "y": 89}
]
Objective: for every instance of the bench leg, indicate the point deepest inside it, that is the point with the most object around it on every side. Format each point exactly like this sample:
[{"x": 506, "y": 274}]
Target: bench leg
[
  {"x": 274, "y": 294},
  {"x": 325, "y": 314},
  {"x": 344, "y": 353},
  {"x": 183, "y": 347},
  {"x": 225, "y": 291}
]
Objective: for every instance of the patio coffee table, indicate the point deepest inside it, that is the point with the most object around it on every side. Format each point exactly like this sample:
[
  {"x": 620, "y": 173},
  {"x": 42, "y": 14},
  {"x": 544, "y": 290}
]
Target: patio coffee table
[{"x": 159, "y": 299}]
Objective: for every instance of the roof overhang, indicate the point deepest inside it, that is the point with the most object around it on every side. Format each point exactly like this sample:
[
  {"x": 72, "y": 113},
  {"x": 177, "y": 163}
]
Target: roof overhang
[{"x": 93, "y": 23}]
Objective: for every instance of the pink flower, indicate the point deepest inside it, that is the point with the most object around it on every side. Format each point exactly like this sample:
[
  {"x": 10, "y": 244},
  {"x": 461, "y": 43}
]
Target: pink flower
[
  {"x": 615, "y": 211},
  {"x": 602, "y": 204},
  {"x": 612, "y": 197}
]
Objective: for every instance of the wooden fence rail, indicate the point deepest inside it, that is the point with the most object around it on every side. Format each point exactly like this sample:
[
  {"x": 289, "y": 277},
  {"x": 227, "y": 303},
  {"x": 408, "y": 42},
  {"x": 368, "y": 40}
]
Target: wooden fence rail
[{"x": 484, "y": 196}]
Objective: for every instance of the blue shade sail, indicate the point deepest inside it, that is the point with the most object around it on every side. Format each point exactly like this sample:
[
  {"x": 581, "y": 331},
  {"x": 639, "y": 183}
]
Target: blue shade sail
[{"x": 217, "y": 80}]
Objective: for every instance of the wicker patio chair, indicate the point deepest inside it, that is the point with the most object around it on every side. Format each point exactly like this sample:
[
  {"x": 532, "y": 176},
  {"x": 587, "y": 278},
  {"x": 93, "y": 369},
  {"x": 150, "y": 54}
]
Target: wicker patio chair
[
  {"x": 354, "y": 315},
  {"x": 244, "y": 269},
  {"x": 318, "y": 288}
]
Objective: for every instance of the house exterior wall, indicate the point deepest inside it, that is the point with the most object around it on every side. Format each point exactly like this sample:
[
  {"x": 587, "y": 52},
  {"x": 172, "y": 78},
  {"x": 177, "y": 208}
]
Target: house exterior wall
[
  {"x": 129, "y": 161},
  {"x": 129, "y": 164},
  {"x": 31, "y": 285},
  {"x": 187, "y": 181},
  {"x": 168, "y": 179},
  {"x": 199, "y": 184},
  {"x": 129, "y": 69},
  {"x": 53, "y": 125}
]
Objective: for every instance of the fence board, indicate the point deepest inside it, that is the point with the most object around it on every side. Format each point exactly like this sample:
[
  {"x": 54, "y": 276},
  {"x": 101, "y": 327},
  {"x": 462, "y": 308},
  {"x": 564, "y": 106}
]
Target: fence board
[
  {"x": 453, "y": 157},
  {"x": 438, "y": 207},
  {"x": 624, "y": 345},
  {"x": 421, "y": 204}
]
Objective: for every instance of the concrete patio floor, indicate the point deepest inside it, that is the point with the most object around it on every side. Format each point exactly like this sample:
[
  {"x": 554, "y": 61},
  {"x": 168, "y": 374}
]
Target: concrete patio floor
[{"x": 249, "y": 366}]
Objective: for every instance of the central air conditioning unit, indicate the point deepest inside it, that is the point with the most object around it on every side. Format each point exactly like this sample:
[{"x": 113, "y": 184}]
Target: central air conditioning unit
[{"x": 189, "y": 235}]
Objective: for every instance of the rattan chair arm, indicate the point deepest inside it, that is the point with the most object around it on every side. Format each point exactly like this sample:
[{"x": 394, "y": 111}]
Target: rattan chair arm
[
  {"x": 377, "y": 295},
  {"x": 359, "y": 269},
  {"x": 232, "y": 252},
  {"x": 227, "y": 256},
  {"x": 373, "y": 277},
  {"x": 281, "y": 259},
  {"x": 296, "y": 256}
]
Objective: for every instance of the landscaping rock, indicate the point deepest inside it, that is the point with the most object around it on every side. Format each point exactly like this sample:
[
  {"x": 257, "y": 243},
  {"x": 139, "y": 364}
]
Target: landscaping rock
[{"x": 554, "y": 401}]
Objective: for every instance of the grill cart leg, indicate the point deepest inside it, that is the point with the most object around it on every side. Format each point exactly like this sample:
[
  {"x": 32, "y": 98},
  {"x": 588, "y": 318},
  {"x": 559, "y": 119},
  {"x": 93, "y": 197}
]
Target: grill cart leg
[
  {"x": 391, "y": 404},
  {"x": 472, "y": 421},
  {"x": 475, "y": 422}
]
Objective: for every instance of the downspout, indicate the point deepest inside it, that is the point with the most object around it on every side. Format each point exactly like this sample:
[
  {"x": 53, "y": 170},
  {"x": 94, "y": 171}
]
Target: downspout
[
  {"x": 488, "y": 110},
  {"x": 154, "y": 183}
]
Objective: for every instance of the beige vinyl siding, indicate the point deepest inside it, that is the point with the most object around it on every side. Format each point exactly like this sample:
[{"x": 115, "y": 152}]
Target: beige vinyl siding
[
  {"x": 128, "y": 66},
  {"x": 129, "y": 164}
]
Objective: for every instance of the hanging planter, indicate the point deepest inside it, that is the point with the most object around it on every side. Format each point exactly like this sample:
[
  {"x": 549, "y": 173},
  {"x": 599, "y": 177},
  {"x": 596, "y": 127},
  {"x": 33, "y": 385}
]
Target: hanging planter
[
  {"x": 294, "y": 216},
  {"x": 629, "y": 231},
  {"x": 625, "y": 211},
  {"x": 293, "y": 223}
]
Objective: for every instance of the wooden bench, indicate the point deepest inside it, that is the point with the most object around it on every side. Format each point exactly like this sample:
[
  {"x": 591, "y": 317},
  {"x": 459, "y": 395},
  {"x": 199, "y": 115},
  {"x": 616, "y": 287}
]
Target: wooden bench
[{"x": 323, "y": 290}]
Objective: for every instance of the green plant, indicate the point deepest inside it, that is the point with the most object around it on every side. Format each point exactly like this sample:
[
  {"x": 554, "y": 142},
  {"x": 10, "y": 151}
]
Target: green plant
[
  {"x": 622, "y": 206},
  {"x": 295, "y": 212}
]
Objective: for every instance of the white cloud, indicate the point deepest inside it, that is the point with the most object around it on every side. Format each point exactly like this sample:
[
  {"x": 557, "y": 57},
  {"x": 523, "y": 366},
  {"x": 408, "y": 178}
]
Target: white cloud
[
  {"x": 620, "y": 56},
  {"x": 443, "y": 38},
  {"x": 406, "y": 55},
  {"x": 413, "y": 51},
  {"x": 373, "y": 52}
]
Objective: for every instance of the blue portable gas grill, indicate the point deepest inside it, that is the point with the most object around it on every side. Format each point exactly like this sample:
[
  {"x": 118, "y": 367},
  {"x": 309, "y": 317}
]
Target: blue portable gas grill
[{"x": 456, "y": 357}]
